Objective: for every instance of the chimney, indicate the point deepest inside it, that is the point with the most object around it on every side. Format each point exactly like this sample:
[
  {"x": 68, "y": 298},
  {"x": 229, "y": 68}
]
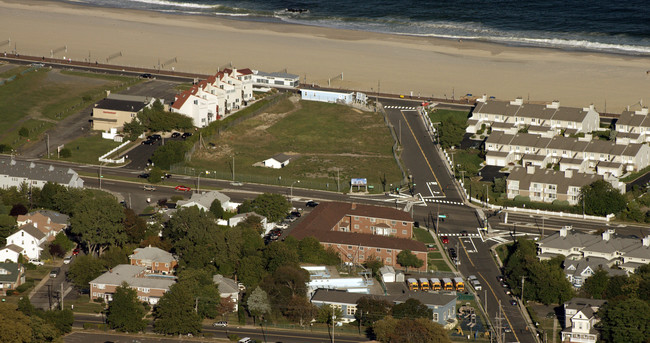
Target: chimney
[
  {"x": 568, "y": 173},
  {"x": 354, "y": 206},
  {"x": 519, "y": 101},
  {"x": 108, "y": 92},
  {"x": 564, "y": 230},
  {"x": 482, "y": 99},
  {"x": 530, "y": 169},
  {"x": 35, "y": 224},
  {"x": 646, "y": 241},
  {"x": 607, "y": 234},
  {"x": 554, "y": 104}
]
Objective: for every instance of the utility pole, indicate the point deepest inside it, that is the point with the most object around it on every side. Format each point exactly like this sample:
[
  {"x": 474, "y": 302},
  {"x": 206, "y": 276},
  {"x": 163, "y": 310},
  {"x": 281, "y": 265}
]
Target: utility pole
[
  {"x": 233, "y": 168},
  {"x": 48, "y": 144},
  {"x": 438, "y": 219},
  {"x": 400, "y": 132},
  {"x": 487, "y": 196},
  {"x": 338, "y": 175},
  {"x": 333, "y": 323},
  {"x": 62, "y": 296},
  {"x": 522, "y": 289}
]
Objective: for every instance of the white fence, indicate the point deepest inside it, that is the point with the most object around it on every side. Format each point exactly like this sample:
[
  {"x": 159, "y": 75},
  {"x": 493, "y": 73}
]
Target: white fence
[{"x": 103, "y": 158}]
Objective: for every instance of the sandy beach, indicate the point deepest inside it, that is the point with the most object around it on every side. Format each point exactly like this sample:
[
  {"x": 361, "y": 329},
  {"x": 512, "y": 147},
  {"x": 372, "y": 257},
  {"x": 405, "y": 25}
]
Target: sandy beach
[{"x": 401, "y": 64}]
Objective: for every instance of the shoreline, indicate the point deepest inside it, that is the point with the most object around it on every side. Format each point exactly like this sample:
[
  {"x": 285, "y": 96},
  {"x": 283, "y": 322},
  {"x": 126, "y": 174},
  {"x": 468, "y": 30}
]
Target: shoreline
[{"x": 400, "y": 64}]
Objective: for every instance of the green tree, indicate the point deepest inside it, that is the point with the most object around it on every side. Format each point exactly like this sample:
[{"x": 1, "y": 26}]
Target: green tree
[
  {"x": 195, "y": 238},
  {"x": 62, "y": 240},
  {"x": 62, "y": 320},
  {"x": 407, "y": 259},
  {"x": 596, "y": 284},
  {"x": 48, "y": 194},
  {"x": 412, "y": 308},
  {"x": 14, "y": 325},
  {"x": 409, "y": 330},
  {"x": 300, "y": 310},
  {"x": 203, "y": 289},
  {"x": 451, "y": 132},
  {"x": 601, "y": 198},
  {"x": 251, "y": 271},
  {"x": 174, "y": 313},
  {"x": 99, "y": 224},
  {"x": 43, "y": 331},
  {"x": 279, "y": 254},
  {"x": 273, "y": 206},
  {"x": 134, "y": 226},
  {"x": 216, "y": 209},
  {"x": 125, "y": 313},
  {"x": 326, "y": 312},
  {"x": 171, "y": 153},
  {"x": 7, "y": 227},
  {"x": 25, "y": 306},
  {"x": 258, "y": 303},
  {"x": 625, "y": 321},
  {"x": 284, "y": 284},
  {"x": 155, "y": 175},
  {"x": 114, "y": 256},
  {"x": 374, "y": 264},
  {"x": 23, "y": 132},
  {"x": 370, "y": 310},
  {"x": 84, "y": 269},
  {"x": 133, "y": 129},
  {"x": 65, "y": 153}
]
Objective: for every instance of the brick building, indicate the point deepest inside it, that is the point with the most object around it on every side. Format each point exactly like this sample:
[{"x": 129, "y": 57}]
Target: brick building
[
  {"x": 155, "y": 260},
  {"x": 150, "y": 288},
  {"x": 361, "y": 232}
]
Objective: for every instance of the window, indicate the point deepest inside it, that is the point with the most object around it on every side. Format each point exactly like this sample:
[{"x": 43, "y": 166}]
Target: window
[
  {"x": 404, "y": 223},
  {"x": 435, "y": 317},
  {"x": 356, "y": 218},
  {"x": 389, "y": 250},
  {"x": 101, "y": 286},
  {"x": 378, "y": 249},
  {"x": 356, "y": 226},
  {"x": 372, "y": 220},
  {"x": 393, "y": 230},
  {"x": 361, "y": 257},
  {"x": 388, "y": 259},
  {"x": 361, "y": 248},
  {"x": 351, "y": 310},
  {"x": 393, "y": 222},
  {"x": 403, "y": 232}
]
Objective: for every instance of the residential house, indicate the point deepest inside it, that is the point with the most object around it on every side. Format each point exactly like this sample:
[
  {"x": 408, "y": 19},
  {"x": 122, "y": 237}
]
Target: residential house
[
  {"x": 236, "y": 219},
  {"x": 633, "y": 126},
  {"x": 10, "y": 253},
  {"x": 42, "y": 222},
  {"x": 154, "y": 259},
  {"x": 362, "y": 232},
  {"x": 442, "y": 305},
  {"x": 29, "y": 239},
  {"x": 626, "y": 253},
  {"x": 12, "y": 275},
  {"x": 547, "y": 185},
  {"x": 580, "y": 320},
  {"x": 276, "y": 80},
  {"x": 577, "y": 271},
  {"x": 204, "y": 200},
  {"x": 215, "y": 98},
  {"x": 278, "y": 161},
  {"x": 14, "y": 173},
  {"x": 228, "y": 289},
  {"x": 150, "y": 287},
  {"x": 117, "y": 109},
  {"x": 523, "y": 115}
]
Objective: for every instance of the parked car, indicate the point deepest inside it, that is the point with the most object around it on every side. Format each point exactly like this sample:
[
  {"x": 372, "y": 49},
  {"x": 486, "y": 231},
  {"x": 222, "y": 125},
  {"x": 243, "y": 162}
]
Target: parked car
[
  {"x": 183, "y": 188},
  {"x": 176, "y": 134},
  {"x": 290, "y": 218},
  {"x": 500, "y": 278},
  {"x": 155, "y": 137},
  {"x": 513, "y": 302},
  {"x": 149, "y": 188},
  {"x": 67, "y": 260},
  {"x": 296, "y": 214},
  {"x": 282, "y": 226},
  {"x": 472, "y": 278},
  {"x": 445, "y": 239},
  {"x": 148, "y": 142},
  {"x": 76, "y": 251},
  {"x": 54, "y": 272},
  {"x": 463, "y": 233},
  {"x": 36, "y": 262},
  {"x": 311, "y": 203},
  {"x": 144, "y": 176},
  {"x": 146, "y": 76},
  {"x": 186, "y": 134},
  {"x": 477, "y": 285},
  {"x": 221, "y": 324}
]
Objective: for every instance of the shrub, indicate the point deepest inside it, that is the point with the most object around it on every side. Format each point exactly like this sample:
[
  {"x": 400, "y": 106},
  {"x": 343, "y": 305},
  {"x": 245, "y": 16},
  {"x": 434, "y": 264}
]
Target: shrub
[
  {"x": 65, "y": 153},
  {"x": 23, "y": 132}
]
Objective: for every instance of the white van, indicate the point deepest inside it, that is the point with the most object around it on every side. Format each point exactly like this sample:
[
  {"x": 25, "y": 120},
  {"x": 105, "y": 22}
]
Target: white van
[{"x": 245, "y": 340}]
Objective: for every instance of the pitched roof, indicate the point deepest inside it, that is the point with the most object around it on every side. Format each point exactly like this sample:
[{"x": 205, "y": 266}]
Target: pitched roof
[
  {"x": 127, "y": 272},
  {"x": 13, "y": 272},
  {"x": 571, "y": 240},
  {"x": 14, "y": 248},
  {"x": 281, "y": 157},
  {"x": 226, "y": 285},
  {"x": 120, "y": 105},
  {"x": 56, "y": 217},
  {"x": 205, "y": 199},
  {"x": 33, "y": 231},
  {"x": 580, "y": 303},
  {"x": 153, "y": 254},
  {"x": 320, "y": 222},
  {"x": 547, "y": 176},
  {"x": 37, "y": 171},
  {"x": 344, "y": 297}
]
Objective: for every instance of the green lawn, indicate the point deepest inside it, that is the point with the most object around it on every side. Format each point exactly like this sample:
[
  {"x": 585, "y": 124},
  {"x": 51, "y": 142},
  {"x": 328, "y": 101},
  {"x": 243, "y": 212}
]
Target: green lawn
[
  {"x": 469, "y": 161},
  {"x": 423, "y": 235},
  {"x": 35, "y": 127},
  {"x": 87, "y": 149},
  {"x": 439, "y": 115},
  {"x": 435, "y": 255},
  {"x": 327, "y": 140},
  {"x": 83, "y": 305},
  {"x": 439, "y": 265}
]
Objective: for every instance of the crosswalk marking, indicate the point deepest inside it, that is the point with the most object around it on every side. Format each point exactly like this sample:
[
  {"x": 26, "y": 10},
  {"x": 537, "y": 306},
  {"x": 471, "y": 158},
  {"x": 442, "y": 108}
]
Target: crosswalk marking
[
  {"x": 461, "y": 235},
  {"x": 442, "y": 201},
  {"x": 406, "y": 108}
]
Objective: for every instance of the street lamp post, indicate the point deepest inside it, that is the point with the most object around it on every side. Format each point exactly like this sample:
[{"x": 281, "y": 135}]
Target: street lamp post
[{"x": 291, "y": 189}]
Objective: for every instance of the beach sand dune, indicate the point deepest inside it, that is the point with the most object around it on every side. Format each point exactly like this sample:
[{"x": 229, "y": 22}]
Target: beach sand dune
[{"x": 401, "y": 64}]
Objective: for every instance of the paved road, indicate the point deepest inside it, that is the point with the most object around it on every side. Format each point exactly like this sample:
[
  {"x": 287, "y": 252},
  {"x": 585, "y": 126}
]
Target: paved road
[
  {"x": 47, "y": 296},
  {"x": 268, "y": 334}
]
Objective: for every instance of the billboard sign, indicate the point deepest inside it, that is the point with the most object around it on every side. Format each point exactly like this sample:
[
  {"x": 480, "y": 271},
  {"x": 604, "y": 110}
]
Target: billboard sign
[{"x": 359, "y": 182}]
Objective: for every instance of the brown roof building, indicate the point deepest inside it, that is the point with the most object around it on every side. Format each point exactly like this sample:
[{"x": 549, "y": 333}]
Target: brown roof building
[{"x": 362, "y": 232}]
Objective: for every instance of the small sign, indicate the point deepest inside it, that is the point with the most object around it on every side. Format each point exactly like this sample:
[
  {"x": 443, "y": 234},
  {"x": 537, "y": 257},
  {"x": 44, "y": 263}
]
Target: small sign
[{"x": 442, "y": 216}]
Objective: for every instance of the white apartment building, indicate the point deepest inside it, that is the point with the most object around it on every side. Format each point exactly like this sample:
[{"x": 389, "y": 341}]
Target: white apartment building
[
  {"x": 277, "y": 80},
  {"x": 215, "y": 98}
]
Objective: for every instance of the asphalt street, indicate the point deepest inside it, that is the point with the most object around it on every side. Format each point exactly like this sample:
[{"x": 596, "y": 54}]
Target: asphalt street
[{"x": 266, "y": 334}]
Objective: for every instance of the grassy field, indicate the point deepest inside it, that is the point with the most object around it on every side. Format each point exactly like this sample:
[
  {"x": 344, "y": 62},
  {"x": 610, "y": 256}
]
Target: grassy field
[
  {"x": 439, "y": 115},
  {"x": 469, "y": 161},
  {"x": 423, "y": 235},
  {"x": 87, "y": 149},
  {"x": 38, "y": 99},
  {"x": 325, "y": 140},
  {"x": 439, "y": 265}
]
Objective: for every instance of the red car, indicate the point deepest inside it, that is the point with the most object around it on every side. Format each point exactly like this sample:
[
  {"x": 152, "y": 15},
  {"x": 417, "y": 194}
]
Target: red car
[
  {"x": 75, "y": 252},
  {"x": 445, "y": 239},
  {"x": 183, "y": 188}
]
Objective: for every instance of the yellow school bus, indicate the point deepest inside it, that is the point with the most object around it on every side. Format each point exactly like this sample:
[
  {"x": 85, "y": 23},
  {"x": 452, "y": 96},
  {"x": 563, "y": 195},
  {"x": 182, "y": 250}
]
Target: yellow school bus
[
  {"x": 460, "y": 285},
  {"x": 413, "y": 284},
  {"x": 424, "y": 284},
  {"x": 435, "y": 284},
  {"x": 448, "y": 285}
]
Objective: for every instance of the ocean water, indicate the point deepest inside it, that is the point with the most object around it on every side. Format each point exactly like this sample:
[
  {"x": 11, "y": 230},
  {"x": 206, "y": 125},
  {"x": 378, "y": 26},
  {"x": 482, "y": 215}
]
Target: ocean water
[{"x": 593, "y": 25}]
